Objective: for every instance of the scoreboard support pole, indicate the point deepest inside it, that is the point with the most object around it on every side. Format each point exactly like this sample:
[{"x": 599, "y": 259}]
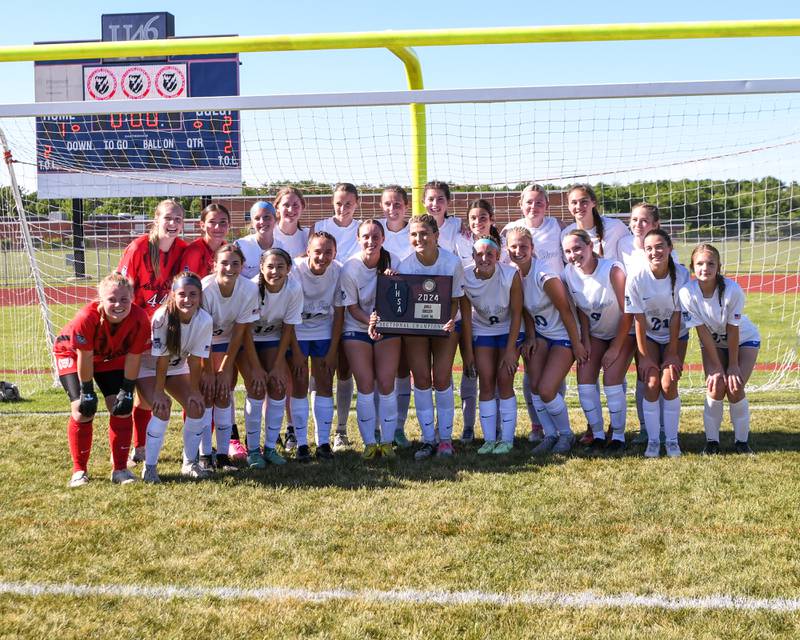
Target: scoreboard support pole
[{"x": 78, "y": 254}]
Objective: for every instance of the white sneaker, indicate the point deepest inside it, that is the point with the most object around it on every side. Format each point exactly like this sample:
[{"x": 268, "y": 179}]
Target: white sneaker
[
  {"x": 150, "y": 474},
  {"x": 78, "y": 479},
  {"x": 340, "y": 441},
  {"x": 673, "y": 450},
  {"x": 122, "y": 476},
  {"x": 194, "y": 471},
  {"x": 653, "y": 449}
]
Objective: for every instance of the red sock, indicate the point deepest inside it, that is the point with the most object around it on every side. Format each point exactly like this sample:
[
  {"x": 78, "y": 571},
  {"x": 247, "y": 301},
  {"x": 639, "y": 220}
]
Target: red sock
[
  {"x": 79, "y": 436},
  {"x": 141, "y": 418},
  {"x": 119, "y": 435}
]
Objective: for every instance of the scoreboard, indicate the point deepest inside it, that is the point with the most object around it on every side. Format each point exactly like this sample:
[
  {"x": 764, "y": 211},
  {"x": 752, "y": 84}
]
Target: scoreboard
[{"x": 138, "y": 153}]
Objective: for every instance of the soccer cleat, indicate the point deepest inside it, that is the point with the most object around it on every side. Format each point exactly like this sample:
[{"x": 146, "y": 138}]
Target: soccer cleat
[
  {"x": 290, "y": 442},
  {"x": 78, "y": 479},
  {"x": 445, "y": 449},
  {"x": 136, "y": 456},
  {"x": 324, "y": 452},
  {"x": 122, "y": 476},
  {"x": 673, "y": 449},
  {"x": 340, "y": 441},
  {"x": 150, "y": 474},
  {"x": 536, "y": 434},
  {"x": 255, "y": 460},
  {"x": 503, "y": 448},
  {"x": 273, "y": 457},
  {"x": 386, "y": 450},
  {"x": 467, "y": 435},
  {"x": 206, "y": 463},
  {"x": 371, "y": 452},
  {"x": 424, "y": 452},
  {"x": 743, "y": 448},
  {"x": 615, "y": 448},
  {"x": 545, "y": 446},
  {"x": 236, "y": 451},
  {"x": 711, "y": 448},
  {"x": 224, "y": 463},
  {"x": 596, "y": 448},
  {"x": 194, "y": 471},
  {"x": 653, "y": 449},
  {"x": 400, "y": 439},
  {"x": 303, "y": 454},
  {"x": 641, "y": 437},
  {"x": 564, "y": 444},
  {"x": 487, "y": 447},
  {"x": 587, "y": 437}
]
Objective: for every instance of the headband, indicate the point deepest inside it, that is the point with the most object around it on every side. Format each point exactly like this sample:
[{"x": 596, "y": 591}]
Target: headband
[
  {"x": 187, "y": 278},
  {"x": 277, "y": 251},
  {"x": 485, "y": 241}
]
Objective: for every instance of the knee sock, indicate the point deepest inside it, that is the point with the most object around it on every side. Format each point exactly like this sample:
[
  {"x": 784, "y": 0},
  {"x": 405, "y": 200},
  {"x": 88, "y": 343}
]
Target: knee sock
[
  {"x": 712, "y": 418},
  {"x": 423, "y": 401},
  {"x": 508, "y": 418},
  {"x": 652, "y": 422},
  {"x": 445, "y": 413},
  {"x": 388, "y": 416},
  {"x": 120, "y": 431},
  {"x": 548, "y": 426},
  {"x": 323, "y": 418},
  {"x": 79, "y": 437},
  {"x": 155, "y": 440},
  {"x": 253, "y": 409},
  {"x": 300, "y": 420},
  {"x": 192, "y": 433},
  {"x": 589, "y": 397},
  {"x": 639, "y": 408},
  {"x": 275, "y": 410},
  {"x": 402, "y": 390},
  {"x": 344, "y": 397},
  {"x": 141, "y": 418},
  {"x": 672, "y": 417},
  {"x": 617, "y": 409},
  {"x": 469, "y": 400},
  {"x": 205, "y": 440},
  {"x": 365, "y": 414},
  {"x": 488, "y": 412},
  {"x": 530, "y": 403},
  {"x": 557, "y": 412},
  {"x": 740, "y": 417}
]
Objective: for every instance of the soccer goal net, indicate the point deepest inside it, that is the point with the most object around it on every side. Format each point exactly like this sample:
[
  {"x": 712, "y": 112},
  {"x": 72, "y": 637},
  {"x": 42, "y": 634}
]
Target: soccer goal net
[{"x": 720, "y": 159}]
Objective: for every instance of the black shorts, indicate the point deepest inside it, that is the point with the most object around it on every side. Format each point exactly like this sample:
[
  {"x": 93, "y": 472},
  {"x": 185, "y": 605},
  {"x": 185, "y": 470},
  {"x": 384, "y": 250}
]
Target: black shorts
[{"x": 110, "y": 382}]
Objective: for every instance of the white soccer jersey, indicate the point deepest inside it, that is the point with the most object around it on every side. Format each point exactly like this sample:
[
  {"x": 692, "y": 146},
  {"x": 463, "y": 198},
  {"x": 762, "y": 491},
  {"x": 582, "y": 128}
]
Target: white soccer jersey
[
  {"x": 240, "y": 307},
  {"x": 657, "y": 299},
  {"x": 295, "y": 244},
  {"x": 698, "y": 310},
  {"x": 448, "y": 233},
  {"x": 195, "y": 341},
  {"x": 252, "y": 253},
  {"x": 613, "y": 232},
  {"x": 447, "y": 264},
  {"x": 358, "y": 285},
  {"x": 346, "y": 237},
  {"x": 277, "y": 309},
  {"x": 546, "y": 243},
  {"x": 544, "y": 313},
  {"x": 594, "y": 295},
  {"x": 397, "y": 243},
  {"x": 320, "y": 296},
  {"x": 490, "y": 299}
]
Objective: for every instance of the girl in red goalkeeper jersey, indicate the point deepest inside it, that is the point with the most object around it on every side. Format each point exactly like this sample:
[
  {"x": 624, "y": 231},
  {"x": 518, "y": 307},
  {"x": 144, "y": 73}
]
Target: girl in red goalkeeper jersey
[
  {"x": 198, "y": 257},
  {"x": 103, "y": 343}
]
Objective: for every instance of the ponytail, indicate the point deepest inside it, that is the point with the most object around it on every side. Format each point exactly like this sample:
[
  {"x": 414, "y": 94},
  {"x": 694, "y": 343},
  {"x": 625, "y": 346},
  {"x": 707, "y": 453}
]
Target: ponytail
[
  {"x": 598, "y": 228},
  {"x": 672, "y": 275},
  {"x": 384, "y": 261},
  {"x": 720, "y": 286}
]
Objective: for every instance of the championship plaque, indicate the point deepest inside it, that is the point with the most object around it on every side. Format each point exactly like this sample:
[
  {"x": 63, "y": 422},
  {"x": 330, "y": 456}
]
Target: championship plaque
[{"x": 413, "y": 304}]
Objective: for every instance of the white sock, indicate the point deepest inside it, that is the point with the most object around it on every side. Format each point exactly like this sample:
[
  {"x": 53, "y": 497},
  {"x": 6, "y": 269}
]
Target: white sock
[
  {"x": 323, "y": 418},
  {"x": 300, "y": 420},
  {"x": 712, "y": 418},
  {"x": 545, "y": 420},
  {"x": 533, "y": 413},
  {"x": 388, "y": 416},
  {"x": 156, "y": 429},
  {"x": 205, "y": 441},
  {"x": 488, "y": 412},
  {"x": 402, "y": 390},
  {"x": 740, "y": 417},
  {"x": 469, "y": 400},
  {"x": 557, "y": 412},
  {"x": 617, "y": 410},
  {"x": 445, "y": 412},
  {"x": 344, "y": 397},
  {"x": 253, "y": 409},
  {"x": 651, "y": 419},
  {"x": 365, "y": 414},
  {"x": 639, "y": 398},
  {"x": 222, "y": 425},
  {"x": 275, "y": 409},
  {"x": 508, "y": 418},
  {"x": 672, "y": 417},
  {"x": 589, "y": 397},
  {"x": 423, "y": 402},
  {"x": 192, "y": 432}
]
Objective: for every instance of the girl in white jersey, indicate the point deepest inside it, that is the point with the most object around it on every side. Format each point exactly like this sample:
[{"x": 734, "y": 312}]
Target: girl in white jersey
[
  {"x": 280, "y": 308},
  {"x": 494, "y": 291},
  {"x": 436, "y": 198},
  {"x": 232, "y": 303},
  {"x": 262, "y": 221},
  {"x": 289, "y": 205},
  {"x": 545, "y": 231},
  {"x": 181, "y": 339},
  {"x": 316, "y": 337},
  {"x": 431, "y": 358},
  {"x": 729, "y": 342},
  {"x": 605, "y": 232},
  {"x": 373, "y": 357},
  {"x": 552, "y": 341},
  {"x": 651, "y": 296},
  {"x": 597, "y": 287}
]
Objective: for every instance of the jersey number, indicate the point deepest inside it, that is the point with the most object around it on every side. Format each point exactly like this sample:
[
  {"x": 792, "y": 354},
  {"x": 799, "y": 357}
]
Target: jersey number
[
  {"x": 493, "y": 319},
  {"x": 155, "y": 302},
  {"x": 720, "y": 337},
  {"x": 540, "y": 321},
  {"x": 595, "y": 316},
  {"x": 659, "y": 324},
  {"x": 267, "y": 329}
]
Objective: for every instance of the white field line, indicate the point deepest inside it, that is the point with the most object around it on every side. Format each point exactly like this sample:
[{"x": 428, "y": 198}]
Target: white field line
[{"x": 409, "y": 596}]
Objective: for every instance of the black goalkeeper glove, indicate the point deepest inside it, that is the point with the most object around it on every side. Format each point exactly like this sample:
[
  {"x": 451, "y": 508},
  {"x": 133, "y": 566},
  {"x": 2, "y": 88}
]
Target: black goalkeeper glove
[
  {"x": 123, "y": 405},
  {"x": 88, "y": 400}
]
